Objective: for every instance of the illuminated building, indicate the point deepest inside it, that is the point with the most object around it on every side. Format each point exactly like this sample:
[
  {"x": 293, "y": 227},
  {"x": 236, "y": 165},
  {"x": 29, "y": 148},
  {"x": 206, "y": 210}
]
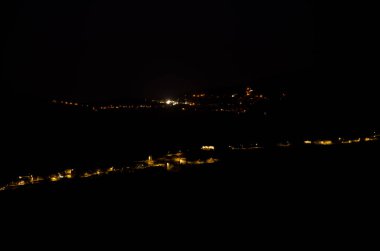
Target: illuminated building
[
  {"x": 370, "y": 139},
  {"x": 181, "y": 161},
  {"x": 208, "y": 148},
  {"x": 171, "y": 102},
  {"x": 21, "y": 183},
  {"x": 168, "y": 166},
  {"x": 248, "y": 91},
  {"x": 150, "y": 161},
  {"x": 36, "y": 180},
  {"x": 69, "y": 171},
  {"x": 211, "y": 161},
  {"x": 323, "y": 142}
]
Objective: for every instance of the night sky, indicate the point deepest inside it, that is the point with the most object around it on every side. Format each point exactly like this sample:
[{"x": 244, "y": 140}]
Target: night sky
[{"x": 108, "y": 50}]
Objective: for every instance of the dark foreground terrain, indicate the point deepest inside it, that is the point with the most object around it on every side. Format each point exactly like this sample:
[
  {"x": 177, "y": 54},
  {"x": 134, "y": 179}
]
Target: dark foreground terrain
[{"x": 329, "y": 189}]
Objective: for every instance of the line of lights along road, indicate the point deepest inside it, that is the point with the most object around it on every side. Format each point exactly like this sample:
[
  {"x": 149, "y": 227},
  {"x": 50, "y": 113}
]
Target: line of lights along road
[{"x": 169, "y": 162}]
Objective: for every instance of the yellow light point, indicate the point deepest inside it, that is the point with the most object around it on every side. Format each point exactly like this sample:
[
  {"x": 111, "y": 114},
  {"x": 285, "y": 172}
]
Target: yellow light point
[
  {"x": 150, "y": 161},
  {"x": 208, "y": 148},
  {"x": 181, "y": 161},
  {"x": 369, "y": 139},
  {"x": 168, "y": 166},
  {"x": 211, "y": 161},
  {"x": 111, "y": 169},
  {"x": 200, "y": 95},
  {"x": 347, "y": 142},
  {"x": 199, "y": 162},
  {"x": 54, "y": 179},
  {"x": 36, "y": 179},
  {"x": 69, "y": 171},
  {"x": 21, "y": 183},
  {"x": 324, "y": 142},
  {"x": 308, "y": 142}
]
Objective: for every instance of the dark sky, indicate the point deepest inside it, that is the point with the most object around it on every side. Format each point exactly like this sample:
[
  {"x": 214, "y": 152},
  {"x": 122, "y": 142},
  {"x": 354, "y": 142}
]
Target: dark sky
[{"x": 107, "y": 50}]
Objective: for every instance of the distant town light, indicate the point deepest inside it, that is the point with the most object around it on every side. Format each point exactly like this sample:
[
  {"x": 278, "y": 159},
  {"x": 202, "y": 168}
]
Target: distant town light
[{"x": 171, "y": 102}]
